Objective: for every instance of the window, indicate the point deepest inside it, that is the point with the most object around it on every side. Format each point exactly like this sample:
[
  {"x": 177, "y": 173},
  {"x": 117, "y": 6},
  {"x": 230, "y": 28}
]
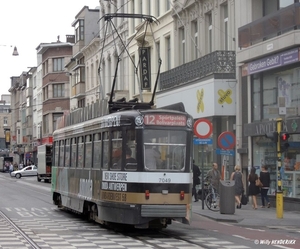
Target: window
[
  {"x": 80, "y": 154},
  {"x": 208, "y": 22},
  {"x": 46, "y": 124},
  {"x": 182, "y": 45},
  {"x": 270, "y": 7},
  {"x": 130, "y": 163},
  {"x": 5, "y": 121},
  {"x": 168, "y": 55},
  {"x": 80, "y": 74},
  {"x": 74, "y": 152},
  {"x": 45, "y": 68},
  {"x": 164, "y": 150},
  {"x": 79, "y": 31},
  {"x": 28, "y": 101},
  {"x": 55, "y": 117},
  {"x": 58, "y": 64},
  {"x": 194, "y": 49},
  {"x": 67, "y": 153},
  {"x": 56, "y": 153},
  {"x": 116, "y": 150},
  {"x": 61, "y": 153},
  {"x": 105, "y": 150},
  {"x": 97, "y": 151},
  {"x": 225, "y": 26},
  {"x": 157, "y": 8},
  {"x": 58, "y": 90},
  {"x": 256, "y": 100},
  {"x": 88, "y": 151}
]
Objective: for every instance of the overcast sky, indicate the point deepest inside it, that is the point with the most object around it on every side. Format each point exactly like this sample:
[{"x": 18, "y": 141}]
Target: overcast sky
[{"x": 27, "y": 23}]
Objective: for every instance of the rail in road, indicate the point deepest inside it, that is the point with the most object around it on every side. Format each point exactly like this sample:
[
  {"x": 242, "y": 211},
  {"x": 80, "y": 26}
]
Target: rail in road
[{"x": 13, "y": 226}]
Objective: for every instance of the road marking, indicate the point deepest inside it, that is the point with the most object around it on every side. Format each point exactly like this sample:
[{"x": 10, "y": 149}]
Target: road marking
[{"x": 255, "y": 229}]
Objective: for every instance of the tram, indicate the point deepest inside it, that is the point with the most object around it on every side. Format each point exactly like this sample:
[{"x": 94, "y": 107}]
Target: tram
[{"x": 130, "y": 165}]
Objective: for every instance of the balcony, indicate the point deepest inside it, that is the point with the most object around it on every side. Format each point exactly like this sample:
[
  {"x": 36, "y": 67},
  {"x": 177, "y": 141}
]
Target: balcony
[
  {"x": 29, "y": 111},
  {"x": 270, "y": 26},
  {"x": 220, "y": 64},
  {"x": 78, "y": 90}
]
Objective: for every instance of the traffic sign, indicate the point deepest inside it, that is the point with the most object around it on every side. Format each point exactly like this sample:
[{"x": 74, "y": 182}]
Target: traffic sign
[
  {"x": 224, "y": 152},
  {"x": 203, "y": 141},
  {"x": 203, "y": 128},
  {"x": 226, "y": 140}
]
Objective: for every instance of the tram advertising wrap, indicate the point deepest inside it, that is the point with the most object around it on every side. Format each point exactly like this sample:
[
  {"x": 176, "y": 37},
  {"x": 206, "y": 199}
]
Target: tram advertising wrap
[{"x": 131, "y": 167}]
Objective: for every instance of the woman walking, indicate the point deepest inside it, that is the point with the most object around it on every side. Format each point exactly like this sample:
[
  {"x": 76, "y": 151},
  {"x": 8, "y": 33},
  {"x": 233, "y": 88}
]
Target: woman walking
[
  {"x": 264, "y": 177},
  {"x": 253, "y": 189},
  {"x": 237, "y": 176}
]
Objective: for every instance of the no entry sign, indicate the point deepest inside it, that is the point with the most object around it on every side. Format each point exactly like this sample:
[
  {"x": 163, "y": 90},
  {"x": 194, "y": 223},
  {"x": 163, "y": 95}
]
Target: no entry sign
[{"x": 202, "y": 128}]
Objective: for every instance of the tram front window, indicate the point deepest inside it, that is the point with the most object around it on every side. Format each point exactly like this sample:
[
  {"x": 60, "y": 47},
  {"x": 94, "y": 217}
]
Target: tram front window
[{"x": 164, "y": 150}]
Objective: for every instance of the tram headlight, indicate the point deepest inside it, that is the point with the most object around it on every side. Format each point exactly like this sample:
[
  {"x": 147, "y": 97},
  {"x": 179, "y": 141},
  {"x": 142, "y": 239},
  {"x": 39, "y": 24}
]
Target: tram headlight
[
  {"x": 189, "y": 122},
  {"x": 139, "y": 120}
]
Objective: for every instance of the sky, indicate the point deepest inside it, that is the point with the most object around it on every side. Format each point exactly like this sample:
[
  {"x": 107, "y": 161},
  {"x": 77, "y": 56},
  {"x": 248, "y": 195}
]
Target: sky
[{"x": 26, "y": 24}]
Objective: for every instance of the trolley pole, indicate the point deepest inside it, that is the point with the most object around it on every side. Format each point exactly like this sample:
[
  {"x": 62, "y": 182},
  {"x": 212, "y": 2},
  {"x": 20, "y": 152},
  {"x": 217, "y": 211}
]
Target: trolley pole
[{"x": 279, "y": 192}]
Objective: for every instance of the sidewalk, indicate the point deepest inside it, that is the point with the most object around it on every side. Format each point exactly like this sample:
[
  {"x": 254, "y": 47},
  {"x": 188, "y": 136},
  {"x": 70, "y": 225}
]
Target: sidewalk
[{"x": 250, "y": 217}]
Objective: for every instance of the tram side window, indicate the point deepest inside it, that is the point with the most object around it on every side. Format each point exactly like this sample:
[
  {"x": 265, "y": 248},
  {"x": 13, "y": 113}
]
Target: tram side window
[
  {"x": 105, "y": 149},
  {"x": 56, "y": 153},
  {"x": 61, "y": 153},
  {"x": 97, "y": 151},
  {"x": 80, "y": 155},
  {"x": 130, "y": 161},
  {"x": 74, "y": 152},
  {"x": 164, "y": 150},
  {"x": 116, "y": 150},
  {"x": 67, "y": 153},
  {"x": 88, "y": 151}
]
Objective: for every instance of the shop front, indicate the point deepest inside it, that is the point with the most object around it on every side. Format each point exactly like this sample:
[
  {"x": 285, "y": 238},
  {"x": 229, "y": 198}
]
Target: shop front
[{"x": 264, "y": 152}]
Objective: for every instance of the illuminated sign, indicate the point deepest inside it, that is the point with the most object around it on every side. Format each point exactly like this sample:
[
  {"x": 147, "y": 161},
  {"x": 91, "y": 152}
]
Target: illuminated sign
[{"x": 166, "y": 120}]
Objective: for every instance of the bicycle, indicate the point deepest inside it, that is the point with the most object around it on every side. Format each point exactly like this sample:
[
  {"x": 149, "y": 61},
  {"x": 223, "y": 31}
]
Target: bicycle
[{"x": 212, "y": 199}]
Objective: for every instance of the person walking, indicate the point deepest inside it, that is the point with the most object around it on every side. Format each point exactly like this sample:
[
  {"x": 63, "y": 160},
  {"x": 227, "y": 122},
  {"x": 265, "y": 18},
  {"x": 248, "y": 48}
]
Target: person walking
[
  {"x": 237, "y": 176},
  {"x": 196, "y": 180},
  {"x": 253, "y": 189},
  {"x": 264, "y": 177},
  {"x": 11, "y": 167},
  {"x": 214, "y": 176}
]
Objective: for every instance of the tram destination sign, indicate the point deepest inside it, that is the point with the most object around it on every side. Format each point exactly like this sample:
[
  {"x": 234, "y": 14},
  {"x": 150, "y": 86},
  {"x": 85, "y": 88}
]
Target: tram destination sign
[{"x": 165, "y": 119}]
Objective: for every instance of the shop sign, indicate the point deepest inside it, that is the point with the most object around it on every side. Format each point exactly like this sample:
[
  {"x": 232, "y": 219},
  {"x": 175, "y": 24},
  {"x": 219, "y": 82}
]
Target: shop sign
[
  {"x": 145, "y": 68},
  {"x": 276, "y": 60}
]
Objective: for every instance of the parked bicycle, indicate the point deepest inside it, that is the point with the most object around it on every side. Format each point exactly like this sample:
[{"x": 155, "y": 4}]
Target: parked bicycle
[{"x": 212, "y": 199}]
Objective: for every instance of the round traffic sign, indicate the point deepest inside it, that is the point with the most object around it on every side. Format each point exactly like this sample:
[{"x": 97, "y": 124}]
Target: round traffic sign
[
  {"x": 226, "y": 140},
  {"x": 203, "y": 128}
]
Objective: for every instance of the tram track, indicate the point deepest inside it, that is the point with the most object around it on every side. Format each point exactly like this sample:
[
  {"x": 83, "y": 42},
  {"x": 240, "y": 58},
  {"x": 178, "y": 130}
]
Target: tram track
[{"x": 19, "y": 231}]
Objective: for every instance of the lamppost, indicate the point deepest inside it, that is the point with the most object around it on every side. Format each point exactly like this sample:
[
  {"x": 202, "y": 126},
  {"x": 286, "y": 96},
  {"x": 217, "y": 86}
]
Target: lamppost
[{"x": 15, "y": 52}]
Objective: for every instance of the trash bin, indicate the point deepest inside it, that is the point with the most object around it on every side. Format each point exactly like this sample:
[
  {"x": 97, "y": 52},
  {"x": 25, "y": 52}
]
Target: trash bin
[{"x": 227, "y": 200}]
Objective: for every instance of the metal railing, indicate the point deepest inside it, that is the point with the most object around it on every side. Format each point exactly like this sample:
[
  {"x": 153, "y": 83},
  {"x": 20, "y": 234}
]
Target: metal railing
[{"x": 221, "y": 64}]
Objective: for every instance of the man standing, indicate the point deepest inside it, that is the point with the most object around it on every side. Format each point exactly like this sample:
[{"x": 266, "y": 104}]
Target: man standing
[
  {"x": 214, "y": 176},
  {"x": 196, "y": 180}
]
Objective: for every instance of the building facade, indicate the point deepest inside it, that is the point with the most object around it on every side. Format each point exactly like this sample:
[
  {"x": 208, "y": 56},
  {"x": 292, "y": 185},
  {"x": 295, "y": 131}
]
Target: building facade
[{"x": 268, "y": 71}]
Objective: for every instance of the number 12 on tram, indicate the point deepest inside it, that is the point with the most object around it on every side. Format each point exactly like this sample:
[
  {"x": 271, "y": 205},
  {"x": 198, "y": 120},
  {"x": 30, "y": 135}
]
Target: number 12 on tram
[{"x": 130, "y": 167}]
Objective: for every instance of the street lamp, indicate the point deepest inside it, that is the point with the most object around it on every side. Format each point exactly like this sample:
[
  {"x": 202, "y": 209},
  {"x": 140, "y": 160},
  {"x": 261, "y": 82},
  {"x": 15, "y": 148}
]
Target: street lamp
[{"x": 15, "y": 52}]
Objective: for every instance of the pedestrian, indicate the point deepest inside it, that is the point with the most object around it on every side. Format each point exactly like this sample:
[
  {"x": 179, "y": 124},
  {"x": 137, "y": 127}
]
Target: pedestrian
[
  {"x": 11, "y": 167},
  {"x": 214, "y": 176},
  {"x": 237, "y": 176},
  {"x": 264, "y": 177},
  {"x": 196, "y": 180},
  {"x": 253, "y": 189}
]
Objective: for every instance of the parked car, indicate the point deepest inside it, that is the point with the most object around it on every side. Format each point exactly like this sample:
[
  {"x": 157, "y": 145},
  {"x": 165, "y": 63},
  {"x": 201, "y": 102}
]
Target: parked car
[{"x": 27, "y": 171}]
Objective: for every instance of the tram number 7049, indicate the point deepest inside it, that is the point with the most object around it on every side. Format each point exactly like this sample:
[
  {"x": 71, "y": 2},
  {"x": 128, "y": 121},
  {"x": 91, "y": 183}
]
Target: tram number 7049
[{"x": 164, "y": 180}]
